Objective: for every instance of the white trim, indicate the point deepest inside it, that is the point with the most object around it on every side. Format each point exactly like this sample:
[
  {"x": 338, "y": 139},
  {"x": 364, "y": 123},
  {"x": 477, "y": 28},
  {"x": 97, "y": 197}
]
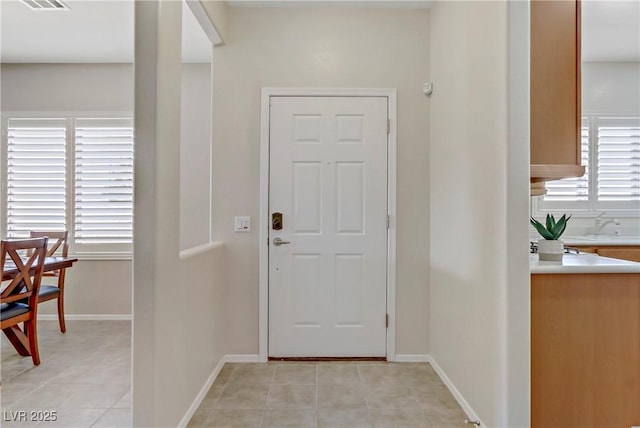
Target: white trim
[
  {"x": 263, "y": 308},
  {"x": 200, "y": 249},
  {"x": 102, "y": 256},
  {"x": 413, "y": 358},
  {"x": 203, "y": 393},
  {"x": 243, "y": 358},
  {"x": 87, "y": 317},
  {"x": 205, "y": 22},
  {"x": 471, "y": 414}
]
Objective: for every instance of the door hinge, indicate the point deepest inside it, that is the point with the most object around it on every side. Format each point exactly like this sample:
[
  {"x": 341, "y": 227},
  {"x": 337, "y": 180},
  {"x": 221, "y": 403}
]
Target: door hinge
[
  {"x": 267, "y": 241},
  {"x": 388, "y": 221},
  {"x": 388, "y": 126},
  {"x": 386, "y": 320}
]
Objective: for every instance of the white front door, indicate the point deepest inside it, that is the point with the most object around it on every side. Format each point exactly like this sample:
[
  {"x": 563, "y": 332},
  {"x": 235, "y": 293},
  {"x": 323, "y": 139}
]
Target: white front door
[{"x": 328, "y": 179}]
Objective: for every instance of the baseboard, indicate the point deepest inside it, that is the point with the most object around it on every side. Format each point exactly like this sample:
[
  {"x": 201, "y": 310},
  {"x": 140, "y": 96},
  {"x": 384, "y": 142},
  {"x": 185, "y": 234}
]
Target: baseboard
[
  {"x": 471, "y": 414},
  {"x": 412, "y": 358},
  {"x": 243, "y": 358},
  {"x": 84, "y": 317},
  {"x": 203, "y": 392}
]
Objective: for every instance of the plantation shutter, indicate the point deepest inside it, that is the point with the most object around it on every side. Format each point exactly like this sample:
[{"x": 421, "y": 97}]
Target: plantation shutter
[
  {"x": 618, "y": 152},
  {"x": 36, "y": 176},
  {"x": 573, "y": 189},
  {"x": 103, "y": 181}
]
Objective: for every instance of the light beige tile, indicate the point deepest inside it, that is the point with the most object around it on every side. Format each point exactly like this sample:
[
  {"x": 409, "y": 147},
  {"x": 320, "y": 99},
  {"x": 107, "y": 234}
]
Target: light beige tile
[
  {"x": 212, "y": 396},
  {"x": 442, "y": 416},
  {"x": 234, "y": 418},
  {"x": 74, "y": 418},
  {"x": 292, "y": 397},
  {"x": 199, "y": 419},
  {"x": 434, "y": 395},
  {"x": 390, "y": 397},
  {"x": 224, "y": 374},
  {"x": 254, "y": 374},
  {"x": 242, "y": 397},
  {"x": 457, "y": 422},
  {"x": 386, "y": 375},
  {"x": 90, "y": 396},
  {"x": 344, "y": 418},
  {"x": 124, "y": 402},
  {"x": 47, "y": 397},
  {"x": 14, "y": 391},
  {"x": 341, "y": 396},
  {"x": 295, "y": 374},
  {"x": 294, "y": 418},
  {"x": 399, "y": 418},
  {"x": 115, "y": 418},
  {"x": 338, "y": 374},
  {"x": 416, "y": 374}
]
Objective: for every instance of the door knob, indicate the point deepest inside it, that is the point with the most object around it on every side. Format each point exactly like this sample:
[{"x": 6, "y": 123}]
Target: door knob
[{"x": 277, "y": 242}]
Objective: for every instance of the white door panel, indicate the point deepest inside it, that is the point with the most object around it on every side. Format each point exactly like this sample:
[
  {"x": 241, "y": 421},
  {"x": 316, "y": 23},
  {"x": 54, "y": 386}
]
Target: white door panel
[{"x": 328, "y": 177}]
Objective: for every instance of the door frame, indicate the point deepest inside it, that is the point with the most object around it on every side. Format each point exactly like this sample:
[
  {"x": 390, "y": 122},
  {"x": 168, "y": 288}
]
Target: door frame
[{"x": 267, "y": 93}]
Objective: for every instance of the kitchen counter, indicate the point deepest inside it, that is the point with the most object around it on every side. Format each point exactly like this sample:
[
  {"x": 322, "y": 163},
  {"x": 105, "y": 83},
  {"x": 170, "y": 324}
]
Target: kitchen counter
[
  {"x": 601, "y": 240},
  {"x": 582, "y": 263}
]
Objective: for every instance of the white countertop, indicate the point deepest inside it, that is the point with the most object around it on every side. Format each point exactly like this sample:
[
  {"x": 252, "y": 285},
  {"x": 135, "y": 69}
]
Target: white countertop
[
  {"x": 600, "y": 240},
  {"x": 583, "y": 263}
]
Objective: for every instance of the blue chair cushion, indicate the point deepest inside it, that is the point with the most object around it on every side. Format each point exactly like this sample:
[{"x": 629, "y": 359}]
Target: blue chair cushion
[
  {"x": 10, "y": 310},
  {"x": 45, "y": 291},
  {"x": 48, "y": 290}
]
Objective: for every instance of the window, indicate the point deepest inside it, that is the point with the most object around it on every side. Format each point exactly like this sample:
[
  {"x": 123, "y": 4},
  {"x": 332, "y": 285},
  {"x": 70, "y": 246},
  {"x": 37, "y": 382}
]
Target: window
[
  {"x": 72, "y": 174},
  {"x": 611, "y": 155}
]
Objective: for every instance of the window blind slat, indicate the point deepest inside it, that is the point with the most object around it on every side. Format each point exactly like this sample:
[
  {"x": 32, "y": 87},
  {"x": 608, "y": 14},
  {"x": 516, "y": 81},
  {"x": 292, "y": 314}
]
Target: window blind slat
[
  {"x": 36, "y": 175},
  {"x": 618, "y": 151},
  {"x": 572, "y": 189},
  {"x": 103, "y": 181}
]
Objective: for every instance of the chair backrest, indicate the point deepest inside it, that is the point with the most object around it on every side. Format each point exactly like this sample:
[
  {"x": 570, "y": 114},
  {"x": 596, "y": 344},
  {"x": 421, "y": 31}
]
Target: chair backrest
[
  {"x": 57, "y": 241},
  {"x": 26, "y": 282}
]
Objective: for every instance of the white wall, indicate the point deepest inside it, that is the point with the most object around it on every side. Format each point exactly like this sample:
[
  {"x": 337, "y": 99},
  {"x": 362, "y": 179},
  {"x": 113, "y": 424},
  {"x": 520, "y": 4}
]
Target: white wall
[
  {"x": 180, "y": 306},
  {"x": 195, "y": 156},
  {"x": 326, "y": 47},
  {"x": 611, "y": 88},
  {"x": 479, "y": 188}
]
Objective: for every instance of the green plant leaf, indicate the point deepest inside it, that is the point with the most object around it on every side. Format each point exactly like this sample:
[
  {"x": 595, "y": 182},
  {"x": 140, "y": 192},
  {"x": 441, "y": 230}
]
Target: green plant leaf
[
  {"x": 541, "y": 229},
  {"x": 550, "y": 222}
]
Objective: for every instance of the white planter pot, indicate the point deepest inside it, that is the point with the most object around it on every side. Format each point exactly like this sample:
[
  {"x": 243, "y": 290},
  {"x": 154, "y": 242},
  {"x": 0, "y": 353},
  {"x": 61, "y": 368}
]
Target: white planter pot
[{"x": 550, "y": 251}]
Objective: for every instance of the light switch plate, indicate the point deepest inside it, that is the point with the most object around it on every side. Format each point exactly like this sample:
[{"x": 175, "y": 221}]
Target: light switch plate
[{"x": 242, "y": 224}]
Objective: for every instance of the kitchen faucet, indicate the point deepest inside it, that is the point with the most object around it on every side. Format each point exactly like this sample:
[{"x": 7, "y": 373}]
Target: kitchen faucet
[{"x": 600, "y": 224}]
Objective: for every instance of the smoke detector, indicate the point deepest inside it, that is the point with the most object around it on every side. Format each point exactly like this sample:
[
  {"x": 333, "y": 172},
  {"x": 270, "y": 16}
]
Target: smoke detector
[{"x": 45, "y": 4}]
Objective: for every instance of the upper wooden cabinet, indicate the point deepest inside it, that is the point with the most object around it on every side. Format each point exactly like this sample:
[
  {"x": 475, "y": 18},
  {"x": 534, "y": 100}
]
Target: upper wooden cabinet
[{"x": 555, "y": 91}]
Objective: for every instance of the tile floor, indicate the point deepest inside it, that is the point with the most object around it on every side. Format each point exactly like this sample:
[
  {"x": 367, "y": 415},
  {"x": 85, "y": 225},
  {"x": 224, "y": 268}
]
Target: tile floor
[
  {"x": 335, "y": 394},
  {"x": 84, "y": 375}
]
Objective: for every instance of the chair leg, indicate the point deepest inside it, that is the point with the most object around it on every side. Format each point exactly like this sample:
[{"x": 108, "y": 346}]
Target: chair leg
[
  {"x": 63, "y": 326},
  {"x": 32, "y": 333}
]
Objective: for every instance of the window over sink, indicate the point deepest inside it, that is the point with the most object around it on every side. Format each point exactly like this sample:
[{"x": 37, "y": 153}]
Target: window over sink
[{"x": 611, "y": 154}]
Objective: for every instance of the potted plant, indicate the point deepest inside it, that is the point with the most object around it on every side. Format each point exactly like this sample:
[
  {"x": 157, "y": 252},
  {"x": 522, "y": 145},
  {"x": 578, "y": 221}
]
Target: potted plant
[{"x": 550, "y": 248}]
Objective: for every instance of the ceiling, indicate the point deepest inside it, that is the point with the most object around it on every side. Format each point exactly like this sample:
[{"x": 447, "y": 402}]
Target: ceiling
[
  {"x": 102, "y": 30},
  {"x": 91, "y": 31}
]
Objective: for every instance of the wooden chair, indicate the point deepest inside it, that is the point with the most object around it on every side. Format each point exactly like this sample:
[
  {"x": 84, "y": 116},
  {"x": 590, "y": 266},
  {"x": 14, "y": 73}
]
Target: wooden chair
[
  {"x": 23, "y": 287},
  {"x": 57, "y": 243}
]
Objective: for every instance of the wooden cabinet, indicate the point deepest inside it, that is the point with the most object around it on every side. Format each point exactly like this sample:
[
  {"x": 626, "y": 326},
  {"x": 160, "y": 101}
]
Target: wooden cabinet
[
  {"x": 555, "y": 92},
  {"x": 623, "y": 252},
  {"x": 585, "y": 350}
]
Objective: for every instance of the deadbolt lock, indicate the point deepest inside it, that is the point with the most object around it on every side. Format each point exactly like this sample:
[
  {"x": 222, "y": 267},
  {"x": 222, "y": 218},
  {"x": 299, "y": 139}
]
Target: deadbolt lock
[{"x": 276, "y": 221}]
